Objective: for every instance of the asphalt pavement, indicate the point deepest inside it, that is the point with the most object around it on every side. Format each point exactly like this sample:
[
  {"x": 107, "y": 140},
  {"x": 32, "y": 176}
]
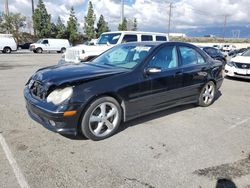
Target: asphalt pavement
[{"x": 187, "y": 146}]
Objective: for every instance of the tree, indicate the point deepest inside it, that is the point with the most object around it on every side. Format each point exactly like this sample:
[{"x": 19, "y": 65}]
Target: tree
[
  {"x": 54, "y": 31},
  {"x": 72, "y": 26},
  {"x": 123, "y": 25},
  {"x": 89, "y": 22},
  {"x": 134, "y": 25},
  {"x": 61, "y": 29},
  {"x": 12, "y": 24},
  {"x": 41, "y": 21},
  {"x": 102, "y": 26}
]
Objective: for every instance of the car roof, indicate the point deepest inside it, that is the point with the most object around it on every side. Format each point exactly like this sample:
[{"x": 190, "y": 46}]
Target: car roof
[
  {"x": 157, "y": 43},
  {"x": 136, "y": 32}
]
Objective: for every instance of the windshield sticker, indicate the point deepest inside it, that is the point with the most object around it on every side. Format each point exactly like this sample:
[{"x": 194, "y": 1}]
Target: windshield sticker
[{"x": 142, "y": 48}]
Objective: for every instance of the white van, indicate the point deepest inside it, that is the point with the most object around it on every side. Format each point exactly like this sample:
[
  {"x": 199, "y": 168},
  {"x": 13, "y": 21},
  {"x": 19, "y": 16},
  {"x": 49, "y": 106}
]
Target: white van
[
  {"x": 58, "y": 45},
  {"x": 7, "y": 44},
  {"x": 108, "y": 40},
  {"x": 228, "y": 47}
]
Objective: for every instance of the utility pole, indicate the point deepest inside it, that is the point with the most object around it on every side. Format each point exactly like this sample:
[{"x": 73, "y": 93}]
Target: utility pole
[
  {"x": 33, "y": 10},
  {"x": 169, "y": 18},
  {"x": 32, "y": 5},
  {"x": 224, "y": 28},
  {"x": 7, "y": 7},
  {"x": 122, "y": 11}
]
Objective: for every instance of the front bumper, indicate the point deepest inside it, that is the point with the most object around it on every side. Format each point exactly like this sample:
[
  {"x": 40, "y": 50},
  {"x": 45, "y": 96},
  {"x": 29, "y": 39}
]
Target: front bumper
[
  {"x": 237, "y": 72},
  {"x": 52, "y": 119}
]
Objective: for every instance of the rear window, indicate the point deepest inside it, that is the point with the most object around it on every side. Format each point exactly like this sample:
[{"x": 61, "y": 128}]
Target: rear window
[
  {"x": 129, "y": 38},
  {"x": 146, "y": 38},
  {"x": 161, "y": 38}
]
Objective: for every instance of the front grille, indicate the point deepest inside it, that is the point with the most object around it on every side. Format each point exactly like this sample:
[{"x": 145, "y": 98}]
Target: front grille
[
  {"x": 242, "y": 74},
  {"x": 71, "y": 55},
  {"x": 38, "y": 90},
  {"x": 242, "y": 65}
]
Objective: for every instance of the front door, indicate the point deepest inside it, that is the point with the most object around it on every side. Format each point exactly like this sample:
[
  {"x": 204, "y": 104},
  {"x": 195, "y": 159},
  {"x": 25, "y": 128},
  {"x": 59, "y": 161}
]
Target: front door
[{"x": 162, "y": 88}]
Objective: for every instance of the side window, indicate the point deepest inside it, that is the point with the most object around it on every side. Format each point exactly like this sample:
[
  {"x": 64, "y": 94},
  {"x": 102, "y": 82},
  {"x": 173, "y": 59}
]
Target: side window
[
  {"x": 129, "y": 38},
  {"x": 161, "y": 38},
  {"x": 146, "y": 38},
  {"x": 210, "y": 51},
  {"x": 190, "y": 56},
  {"x": 165, "y": 58},
  {"x": 45, "y": 42}
]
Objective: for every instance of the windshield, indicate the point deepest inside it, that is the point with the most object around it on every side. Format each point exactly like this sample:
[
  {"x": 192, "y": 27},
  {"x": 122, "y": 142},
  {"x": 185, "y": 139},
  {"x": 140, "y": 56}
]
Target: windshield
[
  {"x": 246, "y": 53},
  {"x": 124, "y": 56},
  {"x": 110, "y": 38},
  {"x": 39, "y": 41}
]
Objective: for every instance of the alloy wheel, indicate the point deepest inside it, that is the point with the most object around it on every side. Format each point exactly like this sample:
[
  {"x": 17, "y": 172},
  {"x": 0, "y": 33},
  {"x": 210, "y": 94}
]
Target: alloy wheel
[
  {"x": 208, "y": 93},
  {"x": 103, "y": 119}
]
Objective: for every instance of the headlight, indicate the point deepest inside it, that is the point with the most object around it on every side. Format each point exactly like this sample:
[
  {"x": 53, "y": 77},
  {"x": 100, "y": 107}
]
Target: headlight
[
  {"x": 231, "y": 64},
  {"x": 59, "y": 95}
]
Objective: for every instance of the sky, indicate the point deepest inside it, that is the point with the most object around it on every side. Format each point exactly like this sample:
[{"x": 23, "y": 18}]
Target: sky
[{"x": 151, "y": 15}]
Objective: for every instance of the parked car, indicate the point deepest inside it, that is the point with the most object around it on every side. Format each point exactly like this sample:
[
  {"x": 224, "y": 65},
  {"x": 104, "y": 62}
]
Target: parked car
[
  {"x": 217, "y": 46},
  {"x": 125, "y": 82},
  {"x": 24, "y": 45},
  {"x": 239, "y": 66},
  {"x": 228, "y": 47},
  {"x": 215, "y": 54},
  {"x": 91, "y": 42},
  {"x": 108, "y": 40},
  {"x": 7, "y": 44},
  {"x": 58, "y": 45},
  {"x": 236, "y": 52}
]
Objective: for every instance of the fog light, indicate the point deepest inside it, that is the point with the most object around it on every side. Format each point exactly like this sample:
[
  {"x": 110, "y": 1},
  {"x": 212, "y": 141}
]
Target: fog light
[{"x": 52, "y": 123}]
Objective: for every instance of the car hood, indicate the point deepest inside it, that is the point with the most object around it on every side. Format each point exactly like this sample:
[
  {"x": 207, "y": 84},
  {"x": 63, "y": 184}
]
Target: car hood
[
  {"x": 241, "y": 59},
  {"x": 72, "y": 73}
]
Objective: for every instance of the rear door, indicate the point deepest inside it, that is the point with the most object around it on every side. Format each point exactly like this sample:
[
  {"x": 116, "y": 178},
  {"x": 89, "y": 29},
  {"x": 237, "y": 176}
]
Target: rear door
[{"x": 195, "y": 70}]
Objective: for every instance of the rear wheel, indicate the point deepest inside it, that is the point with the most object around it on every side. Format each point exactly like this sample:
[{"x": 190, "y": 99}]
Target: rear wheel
[
  {"x": 7, "y": 50},
  {"x": 101, "y": 119},
  {"x": 63, "y": 50},
  {"x": 207, "y": 94}
]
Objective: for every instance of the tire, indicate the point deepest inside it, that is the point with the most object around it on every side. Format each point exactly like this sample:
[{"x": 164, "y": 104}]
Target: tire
[
  {"x": 34, "y": 51},
  {"x": 63, "y": 50},
  {"x": 207, "y": 94},
  {"x": 101, "y": 118},
  {"x": 39, "y": 50},
  {"x": 7, "y": 50}
]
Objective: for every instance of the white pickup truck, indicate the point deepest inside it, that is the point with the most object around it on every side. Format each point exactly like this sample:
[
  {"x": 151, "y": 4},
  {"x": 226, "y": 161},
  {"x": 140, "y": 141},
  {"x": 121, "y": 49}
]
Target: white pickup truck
[{"x": 106, "y": 41}]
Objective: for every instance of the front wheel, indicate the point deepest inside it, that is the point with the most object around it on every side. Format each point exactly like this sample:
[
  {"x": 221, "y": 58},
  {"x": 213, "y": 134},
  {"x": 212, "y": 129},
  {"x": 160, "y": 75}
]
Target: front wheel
[
  {"x": 207, "y": 94},
  {"x": 39, "y": 50},
  {"x": 101, "y": 119}
]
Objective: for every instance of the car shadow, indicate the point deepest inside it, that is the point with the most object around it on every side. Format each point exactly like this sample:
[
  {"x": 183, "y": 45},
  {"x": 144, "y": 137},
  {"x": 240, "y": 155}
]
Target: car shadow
[
  {"x": 237, "y": 79},
  {"x": 75, "y": 137},
  {"x": 156, "y": 115},
  {"x": 146, "y": 118}
]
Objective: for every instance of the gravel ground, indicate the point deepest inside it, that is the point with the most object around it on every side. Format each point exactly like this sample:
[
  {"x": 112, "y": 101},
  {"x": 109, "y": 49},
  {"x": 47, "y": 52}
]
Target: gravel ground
[{"x": 186, "y": 146}]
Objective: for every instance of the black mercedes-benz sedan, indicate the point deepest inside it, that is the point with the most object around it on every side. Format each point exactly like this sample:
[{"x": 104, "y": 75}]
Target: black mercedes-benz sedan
[{"x": 125, "y": 82}]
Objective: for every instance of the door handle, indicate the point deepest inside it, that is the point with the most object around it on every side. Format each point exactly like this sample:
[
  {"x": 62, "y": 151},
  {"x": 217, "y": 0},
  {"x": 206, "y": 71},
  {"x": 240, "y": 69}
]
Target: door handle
[
  {"x": 179, "y": 73},
  {"x": 203, "y": 68}
]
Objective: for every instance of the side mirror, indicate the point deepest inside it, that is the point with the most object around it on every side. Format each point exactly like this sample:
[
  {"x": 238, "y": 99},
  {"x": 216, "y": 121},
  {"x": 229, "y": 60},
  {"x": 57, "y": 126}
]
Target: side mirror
[
  {"x": 108, "y": 44},
  {"x": 153, "y": 70}
]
